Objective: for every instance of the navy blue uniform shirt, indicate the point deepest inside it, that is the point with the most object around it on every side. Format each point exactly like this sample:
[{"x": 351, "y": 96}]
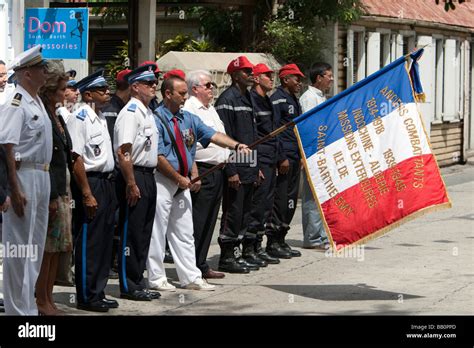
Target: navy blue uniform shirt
[
  {"x": 286, "y": 107},
  {"x": 237, "y": 114},
  {"x": 266, "y": 123}
]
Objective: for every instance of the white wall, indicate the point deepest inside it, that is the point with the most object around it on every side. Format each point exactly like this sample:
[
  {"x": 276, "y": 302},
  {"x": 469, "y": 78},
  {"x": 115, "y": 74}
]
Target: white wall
[{"x": 427, "y": 76}]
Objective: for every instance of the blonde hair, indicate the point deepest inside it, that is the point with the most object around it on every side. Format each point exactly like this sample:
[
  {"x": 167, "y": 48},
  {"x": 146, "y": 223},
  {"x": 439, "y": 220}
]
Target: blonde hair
[{"x": 54, "y": 75}]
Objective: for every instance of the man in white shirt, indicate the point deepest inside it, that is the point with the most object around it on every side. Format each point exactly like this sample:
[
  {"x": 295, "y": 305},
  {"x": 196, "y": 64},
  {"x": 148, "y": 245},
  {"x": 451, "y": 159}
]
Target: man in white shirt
[
  {"x": 207, "y": 200},
  {"x": 315, "y": 236}
]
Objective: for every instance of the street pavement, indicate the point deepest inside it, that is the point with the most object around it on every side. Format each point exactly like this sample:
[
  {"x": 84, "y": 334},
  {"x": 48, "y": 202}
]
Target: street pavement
[{"x": 424, "y": 267}]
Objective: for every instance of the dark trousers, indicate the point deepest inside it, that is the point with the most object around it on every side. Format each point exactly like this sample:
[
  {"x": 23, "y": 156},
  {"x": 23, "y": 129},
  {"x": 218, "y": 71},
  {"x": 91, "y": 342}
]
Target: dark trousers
[
  {"x": 135, "y": 226},
  {"x": 262, "y": 202},
  {"x": 206, "y": 205},
  {"x": 284, "y": 203},
  {"x": 236, "y": 206},
  {"x": 94, "y": 238}
]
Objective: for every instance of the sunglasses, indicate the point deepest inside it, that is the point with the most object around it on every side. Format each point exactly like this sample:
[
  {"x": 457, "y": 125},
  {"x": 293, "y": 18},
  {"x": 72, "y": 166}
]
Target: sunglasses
[
  {"x": 208, "y": 85},
  {"x": 149, "y": 83}
]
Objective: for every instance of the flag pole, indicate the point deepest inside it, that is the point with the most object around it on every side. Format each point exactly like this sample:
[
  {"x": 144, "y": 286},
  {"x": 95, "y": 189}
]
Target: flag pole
[{"x": 251, "y": 146}]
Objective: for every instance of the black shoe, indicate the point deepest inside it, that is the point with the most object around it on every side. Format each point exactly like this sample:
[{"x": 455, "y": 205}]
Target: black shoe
[
  {"x": 110, "y": 303},
  {"x": 251, "y": 266},
  {"x": 286, "y": 247},
  {"x": 274, "y": 250},
  {"x": 231, "y": 266},
  {"x": 155, "y": 295},
  {"x": 137, "y": 295},
  {"x": 269, "y": 259},
  {"x": 97, "y": 306}
]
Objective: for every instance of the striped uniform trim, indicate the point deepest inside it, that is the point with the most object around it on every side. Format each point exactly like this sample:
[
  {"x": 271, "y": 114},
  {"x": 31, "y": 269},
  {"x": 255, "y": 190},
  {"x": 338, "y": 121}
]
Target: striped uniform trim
[
  {"x": 84, "y": 261},
  {"x": 109, "y": 114},
  {"x": 124, "y": 246},
  {"x": 97, "y": 81},
  {"x": 233, "y": 108},
  {"x": 279, "y": 101},
  {"x": 264, "y": 113},
  {"x": 143, "y": 76}
]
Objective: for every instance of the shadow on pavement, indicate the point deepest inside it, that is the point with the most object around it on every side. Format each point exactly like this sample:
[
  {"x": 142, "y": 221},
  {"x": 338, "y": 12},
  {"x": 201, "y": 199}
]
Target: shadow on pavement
[{"x": 342, "y": 292}]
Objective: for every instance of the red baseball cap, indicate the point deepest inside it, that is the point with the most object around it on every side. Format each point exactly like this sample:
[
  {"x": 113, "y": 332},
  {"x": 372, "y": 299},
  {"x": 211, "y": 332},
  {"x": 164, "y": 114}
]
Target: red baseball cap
[
  {"x": 120, "y": 77},
  {"x": 239, "y": 63},
  {"x": 261, "y": 69},
  {"x": 290, "y": 69},
  {"x": 147, "y": 62},
  {"x": 175, "y": 73}
]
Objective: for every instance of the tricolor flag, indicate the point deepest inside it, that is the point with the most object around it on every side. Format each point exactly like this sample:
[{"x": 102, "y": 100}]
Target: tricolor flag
[{"x": 368, "y": 157}]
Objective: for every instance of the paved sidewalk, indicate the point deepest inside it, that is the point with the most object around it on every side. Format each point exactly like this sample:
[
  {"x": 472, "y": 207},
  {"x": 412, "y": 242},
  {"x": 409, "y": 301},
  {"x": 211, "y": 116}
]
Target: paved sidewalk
[{"x": 423, "y": 267}]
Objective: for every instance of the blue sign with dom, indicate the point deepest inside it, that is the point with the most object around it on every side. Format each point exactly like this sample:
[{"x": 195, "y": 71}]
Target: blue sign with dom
[{"x": 62, "y": 32}]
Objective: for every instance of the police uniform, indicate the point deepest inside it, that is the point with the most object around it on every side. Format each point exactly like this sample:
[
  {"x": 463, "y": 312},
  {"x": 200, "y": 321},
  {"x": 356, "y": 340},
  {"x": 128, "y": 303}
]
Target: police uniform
[
  {"x": 262, "y": 201},
  {"x": 286, "y": 108},
  {"x": 93, "y": 247},
  {"x": 136, "y": 125},
  {"x": 173, "y": 217},
  {"x": 26, "y": 125},
  {"x": 236, "y": 111}
]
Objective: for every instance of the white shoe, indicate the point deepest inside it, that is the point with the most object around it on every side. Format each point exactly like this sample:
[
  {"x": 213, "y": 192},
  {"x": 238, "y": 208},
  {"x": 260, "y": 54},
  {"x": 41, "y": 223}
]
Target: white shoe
[
  {"x": 163, "y": 285},
  {"x": 200, "y": 284}
]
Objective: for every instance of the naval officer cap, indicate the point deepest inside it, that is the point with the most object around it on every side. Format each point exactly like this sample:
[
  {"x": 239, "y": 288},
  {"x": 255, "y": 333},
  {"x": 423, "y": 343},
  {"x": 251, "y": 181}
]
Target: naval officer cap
[
  {"x": 27, "y": 59},
  {"x": 142, "y": 73},
  {"x": 93, "y": 81}
]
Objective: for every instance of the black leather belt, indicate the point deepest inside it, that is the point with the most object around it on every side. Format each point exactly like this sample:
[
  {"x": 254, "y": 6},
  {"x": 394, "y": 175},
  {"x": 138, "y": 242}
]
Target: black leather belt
[
  {"x": 149, "y": 170},
  {"x": 100, "y": 175},
  {"x": 205, "y": 165}
]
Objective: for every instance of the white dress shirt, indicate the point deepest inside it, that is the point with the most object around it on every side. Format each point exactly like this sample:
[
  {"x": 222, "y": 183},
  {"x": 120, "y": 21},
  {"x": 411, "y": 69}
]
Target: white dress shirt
[
  {"x": 311, "y": 98},
  {"x": 213, "y": 154},
  {"x": 26, "y": 125}
]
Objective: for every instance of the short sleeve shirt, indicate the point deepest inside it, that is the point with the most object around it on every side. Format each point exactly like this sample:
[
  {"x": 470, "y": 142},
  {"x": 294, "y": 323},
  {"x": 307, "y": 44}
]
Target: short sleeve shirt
[
  {"x": 135, "y": 125},
  {"x": 192, "y": 130},
  {"x": 91, "y": 139}
]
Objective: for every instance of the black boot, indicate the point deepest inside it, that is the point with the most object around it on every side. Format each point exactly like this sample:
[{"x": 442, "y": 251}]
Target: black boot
[
  {"x": 274, "y": 249},
  {"x": 240, "y": 260},
  {"x": 286, "y": 247},
  {"x": 249, "y": 254},
  {"x": 262, "y": 254},
  {"x": 228, "y": 262}
]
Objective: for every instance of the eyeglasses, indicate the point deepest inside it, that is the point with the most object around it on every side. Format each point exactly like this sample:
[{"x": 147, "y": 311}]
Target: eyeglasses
[
  {"x": 208, "y": 85},
  {"x": 149, "y": 83},
  {"x": 248, "y": 71},
  {"x": 101, "y": 91}
]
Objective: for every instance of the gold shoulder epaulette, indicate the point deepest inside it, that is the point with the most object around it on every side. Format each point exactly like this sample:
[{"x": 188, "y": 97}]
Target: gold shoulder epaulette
[{"x": 16, "y": 101}]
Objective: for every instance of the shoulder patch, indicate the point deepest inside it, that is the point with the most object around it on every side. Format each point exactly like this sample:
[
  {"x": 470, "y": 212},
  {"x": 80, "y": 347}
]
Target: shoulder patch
[
  {"x": 81, "y": 115},
  {"x": 16, "y": 101},
  {"x": 132, "y": 107}
]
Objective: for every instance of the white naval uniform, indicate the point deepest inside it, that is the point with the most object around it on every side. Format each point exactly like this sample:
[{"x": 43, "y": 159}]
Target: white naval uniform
[
  {"x": 28, "y": 127},
  {"x": 91, "y": 139}
]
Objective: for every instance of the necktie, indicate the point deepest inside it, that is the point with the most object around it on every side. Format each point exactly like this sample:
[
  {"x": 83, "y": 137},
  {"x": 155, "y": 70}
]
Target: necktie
[{"x": 182, "y": 151}]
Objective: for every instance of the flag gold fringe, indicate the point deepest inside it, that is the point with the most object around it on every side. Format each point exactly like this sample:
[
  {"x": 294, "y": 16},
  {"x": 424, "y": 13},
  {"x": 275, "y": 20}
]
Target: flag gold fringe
[
  {"x": 397, "y": 223},
  {"x": 420, "y": 97}
]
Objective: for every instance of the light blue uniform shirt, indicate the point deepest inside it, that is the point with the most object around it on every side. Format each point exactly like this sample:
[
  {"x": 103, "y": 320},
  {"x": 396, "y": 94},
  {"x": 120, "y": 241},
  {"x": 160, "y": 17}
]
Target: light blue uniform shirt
[{"x": 192, "y": 129}]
